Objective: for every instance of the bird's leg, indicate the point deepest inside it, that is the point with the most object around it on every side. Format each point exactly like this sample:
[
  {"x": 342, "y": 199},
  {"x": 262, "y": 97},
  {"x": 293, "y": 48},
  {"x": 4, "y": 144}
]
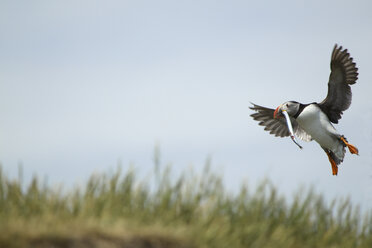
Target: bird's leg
[
  {"x": 352, "y": 149},
  {"x": 333, "y": 164}
]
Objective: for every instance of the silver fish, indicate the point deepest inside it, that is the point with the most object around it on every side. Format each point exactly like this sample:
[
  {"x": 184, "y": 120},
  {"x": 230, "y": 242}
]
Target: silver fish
[{"x": 289, "y": 124}]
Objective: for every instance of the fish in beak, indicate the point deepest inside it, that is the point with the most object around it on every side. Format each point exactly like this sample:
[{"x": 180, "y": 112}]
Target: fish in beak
[
  {"x": 290, "y": 128},
  {"x": 279, "y": 113}
]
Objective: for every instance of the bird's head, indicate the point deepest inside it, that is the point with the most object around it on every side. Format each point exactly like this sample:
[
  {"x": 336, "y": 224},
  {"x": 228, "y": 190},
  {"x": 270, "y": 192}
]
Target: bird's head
[{"x": 290, "y": 107}]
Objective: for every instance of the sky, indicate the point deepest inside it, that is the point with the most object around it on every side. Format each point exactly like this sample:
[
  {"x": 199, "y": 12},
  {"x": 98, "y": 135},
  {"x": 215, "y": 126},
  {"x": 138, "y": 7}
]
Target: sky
[{"x": 85, "y": 85}]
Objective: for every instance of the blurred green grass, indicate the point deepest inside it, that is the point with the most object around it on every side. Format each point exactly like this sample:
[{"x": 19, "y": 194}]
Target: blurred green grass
[{"x": 119, "y": 210}]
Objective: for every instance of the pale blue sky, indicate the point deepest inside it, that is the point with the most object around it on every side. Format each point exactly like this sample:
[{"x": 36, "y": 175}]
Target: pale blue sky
[{"x": 84, "y": 84}]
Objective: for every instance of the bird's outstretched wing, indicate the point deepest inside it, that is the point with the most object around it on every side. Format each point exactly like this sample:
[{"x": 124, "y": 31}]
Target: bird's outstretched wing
[
  {"x": 343, "y": 73},
  {"x": 277, "y": 127}
]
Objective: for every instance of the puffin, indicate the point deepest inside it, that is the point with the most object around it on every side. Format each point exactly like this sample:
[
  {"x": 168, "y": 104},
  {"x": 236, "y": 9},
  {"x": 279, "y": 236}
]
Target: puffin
[{"x": 314, "y": 121}]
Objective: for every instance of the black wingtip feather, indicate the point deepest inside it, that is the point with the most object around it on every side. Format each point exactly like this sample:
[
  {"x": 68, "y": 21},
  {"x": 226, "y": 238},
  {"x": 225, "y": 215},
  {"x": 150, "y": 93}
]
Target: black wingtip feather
[
  {"x": 343, "y": 74},
  {"x": 341, "y": 59}
]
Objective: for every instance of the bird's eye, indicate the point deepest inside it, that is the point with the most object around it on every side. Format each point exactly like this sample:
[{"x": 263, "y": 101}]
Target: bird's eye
[{"x": 287, "y": 105}]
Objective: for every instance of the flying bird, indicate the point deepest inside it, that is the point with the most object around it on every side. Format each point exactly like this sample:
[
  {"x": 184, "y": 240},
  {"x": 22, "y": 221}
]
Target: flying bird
[{"x": 313, "y": 121}]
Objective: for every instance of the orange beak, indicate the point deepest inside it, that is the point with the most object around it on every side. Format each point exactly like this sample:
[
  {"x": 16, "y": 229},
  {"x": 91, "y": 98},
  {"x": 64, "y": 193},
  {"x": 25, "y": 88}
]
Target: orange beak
[{"x": 276, "y": 112}]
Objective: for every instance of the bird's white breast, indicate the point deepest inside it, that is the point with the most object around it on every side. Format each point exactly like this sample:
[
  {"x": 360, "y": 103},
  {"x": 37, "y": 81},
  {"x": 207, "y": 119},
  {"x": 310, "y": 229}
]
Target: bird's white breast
[{"x": 313, "y": 121}]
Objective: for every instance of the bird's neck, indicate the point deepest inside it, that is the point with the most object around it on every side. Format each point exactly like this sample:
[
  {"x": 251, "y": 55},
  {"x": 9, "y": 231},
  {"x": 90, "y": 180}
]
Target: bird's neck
[{"x": 300, "y": 109}]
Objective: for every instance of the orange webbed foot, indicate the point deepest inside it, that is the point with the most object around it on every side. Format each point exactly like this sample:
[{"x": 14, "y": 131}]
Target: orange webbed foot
[
  {"x": 333, "y": 164},
  {"x": 352, "y": 149}
]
